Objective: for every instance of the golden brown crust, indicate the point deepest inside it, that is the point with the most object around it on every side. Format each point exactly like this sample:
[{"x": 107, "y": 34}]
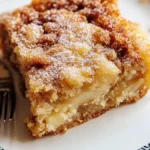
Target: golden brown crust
[{"x": 39, "y": 43}]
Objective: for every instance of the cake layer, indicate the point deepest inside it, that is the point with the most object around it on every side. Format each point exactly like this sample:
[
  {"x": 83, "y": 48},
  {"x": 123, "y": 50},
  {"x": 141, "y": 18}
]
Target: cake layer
[
  {"x": 77, "y": 58},
  {"x": 62, "y": 116}
]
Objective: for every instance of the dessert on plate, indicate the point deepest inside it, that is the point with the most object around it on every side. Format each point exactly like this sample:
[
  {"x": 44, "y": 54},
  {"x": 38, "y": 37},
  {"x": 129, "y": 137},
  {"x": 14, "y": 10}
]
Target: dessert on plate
[{"x": 78, "y": 59}]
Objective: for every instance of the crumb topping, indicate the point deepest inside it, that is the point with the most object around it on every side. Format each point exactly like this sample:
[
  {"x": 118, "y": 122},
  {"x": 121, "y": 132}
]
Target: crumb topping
[{"x": 59, "y": 44}]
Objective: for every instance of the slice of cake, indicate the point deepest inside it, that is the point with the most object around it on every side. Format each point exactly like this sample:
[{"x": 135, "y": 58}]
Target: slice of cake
[{"x": 78, "y": 58}]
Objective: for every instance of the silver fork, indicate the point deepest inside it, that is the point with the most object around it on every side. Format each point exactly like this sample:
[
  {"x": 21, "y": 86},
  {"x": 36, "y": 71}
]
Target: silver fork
[{"x": 7, "y": 98}]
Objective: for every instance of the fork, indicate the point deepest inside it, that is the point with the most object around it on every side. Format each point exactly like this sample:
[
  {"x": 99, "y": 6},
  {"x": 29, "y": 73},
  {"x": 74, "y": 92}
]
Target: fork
[{"x": 7, "y": 98}]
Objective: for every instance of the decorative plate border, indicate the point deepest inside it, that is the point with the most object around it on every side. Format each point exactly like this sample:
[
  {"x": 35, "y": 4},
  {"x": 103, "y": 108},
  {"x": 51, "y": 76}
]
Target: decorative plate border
[{"x": 145, "y": 147}]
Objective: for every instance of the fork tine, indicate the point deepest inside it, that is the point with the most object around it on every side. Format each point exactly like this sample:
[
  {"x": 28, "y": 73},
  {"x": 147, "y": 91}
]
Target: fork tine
[
  {"x": 13, "y": 103},
  {"x": 1, "y": 103},
  {"x": 5, "y": 105}
]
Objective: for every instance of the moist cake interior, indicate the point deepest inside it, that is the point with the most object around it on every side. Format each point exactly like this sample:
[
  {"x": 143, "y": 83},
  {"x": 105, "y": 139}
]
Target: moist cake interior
[{"x": 78, "y": 58}]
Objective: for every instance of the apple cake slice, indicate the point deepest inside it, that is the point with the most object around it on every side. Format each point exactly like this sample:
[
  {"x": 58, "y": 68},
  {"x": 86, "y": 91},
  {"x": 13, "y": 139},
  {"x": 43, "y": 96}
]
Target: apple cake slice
[{"x": 78, "y": 59}]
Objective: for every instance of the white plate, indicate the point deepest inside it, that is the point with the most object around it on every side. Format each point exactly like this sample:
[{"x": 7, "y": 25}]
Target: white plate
[{"x": 124, "y": 128}]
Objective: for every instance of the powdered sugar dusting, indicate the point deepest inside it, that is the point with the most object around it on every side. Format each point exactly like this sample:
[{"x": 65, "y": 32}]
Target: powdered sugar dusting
[{"x": 61, "y": 42}]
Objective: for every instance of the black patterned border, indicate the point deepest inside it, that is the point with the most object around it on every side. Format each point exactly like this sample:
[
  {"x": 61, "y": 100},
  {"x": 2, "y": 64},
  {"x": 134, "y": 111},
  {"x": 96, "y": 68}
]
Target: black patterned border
[{"x": 145, "y": 147}]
